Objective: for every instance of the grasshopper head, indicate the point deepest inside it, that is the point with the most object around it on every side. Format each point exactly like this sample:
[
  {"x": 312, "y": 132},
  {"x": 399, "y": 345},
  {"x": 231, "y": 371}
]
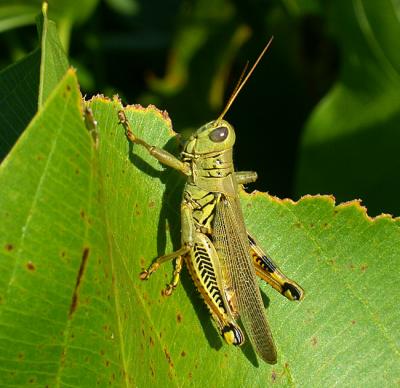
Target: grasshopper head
[
  {"x": 214, "y": 136},
  {"x": 219, "y": 135}
]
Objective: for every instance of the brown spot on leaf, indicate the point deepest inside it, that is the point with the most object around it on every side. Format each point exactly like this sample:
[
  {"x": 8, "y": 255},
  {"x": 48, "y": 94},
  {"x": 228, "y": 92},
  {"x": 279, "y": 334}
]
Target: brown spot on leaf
[
  {"x": 314, "y": 341},
  {"x": 179, "y": 317},
  {"x": 32, "y": 380},
  {"x": 30, "y": 266},
  {"x": 168, "y": 357},
  {"x": 151, "y": 341},
  {"x": 297, "y": 225},
  {"x": 79, "y": 278},
  {"x": 21, "y": 356},
  {"x": 137, "y": 210},
  {"x": 364, "y": 267},
  {"x": 273, "y": 376},
  {"x": 68, "y": 87},
  {"x": 77, "y": 171},
  {"x": 39, "y": 157},
  {"x": 151, "y": 204},
  {"x": 9, "y": 247},
  {"x": 353, "y": 322},
  {"x": 183, "y": 353},
  {"x": 190, "y": 375},
  {"x": 82, "y": 213}
]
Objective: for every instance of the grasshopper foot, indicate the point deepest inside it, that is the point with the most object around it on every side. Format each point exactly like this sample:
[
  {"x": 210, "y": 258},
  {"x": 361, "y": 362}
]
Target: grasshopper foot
[
  {"x": 169, "y": 289},
  {"x": 147, "y": 272},
  {"x": 144, "y": 275}
]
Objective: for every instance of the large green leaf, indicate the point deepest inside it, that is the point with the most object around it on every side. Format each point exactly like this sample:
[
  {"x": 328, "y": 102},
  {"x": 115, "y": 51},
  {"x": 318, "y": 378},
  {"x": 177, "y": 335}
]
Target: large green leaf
[
  {"x": 57, "y": 313},
  {"x": 351, "y": 140},
  {"x": 83, "y": 217},
  {"x": 54, "y": 62},
  {"x": 346, "y": 262},
  {"x": 27, "y": 83}
]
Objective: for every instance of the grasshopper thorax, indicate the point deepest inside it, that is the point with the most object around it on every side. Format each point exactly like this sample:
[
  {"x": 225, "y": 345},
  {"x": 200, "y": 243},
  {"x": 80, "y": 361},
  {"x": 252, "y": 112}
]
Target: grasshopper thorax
[{"x": 215, "y": 136}]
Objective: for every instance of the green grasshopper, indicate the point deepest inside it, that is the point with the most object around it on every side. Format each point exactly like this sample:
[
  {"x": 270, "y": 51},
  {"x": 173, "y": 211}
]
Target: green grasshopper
[{"x": 223, "y": 259}]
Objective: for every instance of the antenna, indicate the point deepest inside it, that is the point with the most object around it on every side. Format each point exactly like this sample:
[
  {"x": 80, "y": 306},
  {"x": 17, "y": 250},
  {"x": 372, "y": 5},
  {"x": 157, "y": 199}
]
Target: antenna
[{"x": 241, "y": 83}]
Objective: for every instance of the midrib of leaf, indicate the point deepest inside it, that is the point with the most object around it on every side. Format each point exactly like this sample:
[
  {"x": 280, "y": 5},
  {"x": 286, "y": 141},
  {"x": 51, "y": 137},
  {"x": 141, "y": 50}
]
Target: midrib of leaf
[{"x": 34, "y": 200}]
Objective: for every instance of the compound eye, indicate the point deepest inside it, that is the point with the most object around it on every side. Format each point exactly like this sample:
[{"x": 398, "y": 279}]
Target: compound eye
[{"x": 218, "y": 134}]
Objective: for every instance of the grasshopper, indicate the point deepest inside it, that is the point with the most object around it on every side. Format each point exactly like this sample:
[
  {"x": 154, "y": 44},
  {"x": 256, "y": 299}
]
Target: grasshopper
[{"x": 222, "y": 257}]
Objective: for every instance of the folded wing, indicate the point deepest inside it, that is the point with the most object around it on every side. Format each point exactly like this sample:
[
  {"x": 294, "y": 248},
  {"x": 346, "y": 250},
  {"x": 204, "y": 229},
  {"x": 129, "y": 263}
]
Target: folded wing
[{"x": 232, "y": 245}]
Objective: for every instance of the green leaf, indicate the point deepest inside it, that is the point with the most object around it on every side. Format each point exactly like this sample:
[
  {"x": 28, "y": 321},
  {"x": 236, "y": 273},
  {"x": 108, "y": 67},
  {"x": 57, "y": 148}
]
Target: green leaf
[
  {"x": 57, "y": 308},
  {"x": 348, "y": 265},
  {"x": 346, "y": 262},
  {"x": 19, "y": 86},
  {"x": 351, "y": 138},
  {"x": 84, "y": 217},
  {"x": 54, "y": 62},
  {"x": 27, "y": 83}
]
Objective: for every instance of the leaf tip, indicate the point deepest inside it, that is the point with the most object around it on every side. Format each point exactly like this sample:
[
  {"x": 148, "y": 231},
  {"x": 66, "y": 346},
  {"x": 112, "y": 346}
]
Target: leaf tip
[{"x": 45, "y": 7}]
